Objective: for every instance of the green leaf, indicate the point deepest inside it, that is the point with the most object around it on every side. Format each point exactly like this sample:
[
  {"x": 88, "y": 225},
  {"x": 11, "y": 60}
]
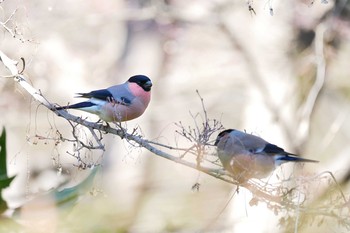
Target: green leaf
[
  {"x": 3, "y": 205},
  {"x": 3, "y": 168},
  {"x": 69, "y": 196},
  {"x": 5, "y": 181},
  {"x": 66, "y": 199},
  {"x": 7, "y": 224}
]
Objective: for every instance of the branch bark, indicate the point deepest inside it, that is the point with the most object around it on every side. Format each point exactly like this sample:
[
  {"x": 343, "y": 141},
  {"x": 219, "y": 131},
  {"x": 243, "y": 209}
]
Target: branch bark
[
  {"x": 11, "y": 65},
  {"x": 277, "y": 197}
]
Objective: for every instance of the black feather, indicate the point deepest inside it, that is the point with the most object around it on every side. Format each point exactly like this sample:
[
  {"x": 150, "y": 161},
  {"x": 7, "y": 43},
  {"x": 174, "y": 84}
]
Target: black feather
[
  {"x": 102, "y": 94},
  {"x": 125, "y": 101},
  {"x": 105, "y": 95},
  {"x": 221, "y": 134},
  {"x": 143, "y": 81},
  {"x": 85, "y": 104},
  {"x": 273, "y": 149}
]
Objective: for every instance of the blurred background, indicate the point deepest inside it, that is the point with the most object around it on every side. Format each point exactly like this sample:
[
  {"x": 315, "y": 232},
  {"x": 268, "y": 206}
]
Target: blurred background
[{"x": 278, "y": 69}]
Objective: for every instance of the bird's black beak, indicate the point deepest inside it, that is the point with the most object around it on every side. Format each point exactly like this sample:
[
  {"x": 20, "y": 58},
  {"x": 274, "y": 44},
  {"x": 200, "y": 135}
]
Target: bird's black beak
[{"x": 147, "y": 85}]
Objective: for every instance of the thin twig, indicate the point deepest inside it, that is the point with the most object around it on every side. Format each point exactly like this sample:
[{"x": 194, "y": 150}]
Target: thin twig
[
  {"x": 3, "y": 24},
  {"x": 166, "y": 146},
  {"x": 277, "y": 197},
  {"x": 309, "y": 106},
  {"x": 10, "y": 64},
  {"x": 98, "y": 140}
]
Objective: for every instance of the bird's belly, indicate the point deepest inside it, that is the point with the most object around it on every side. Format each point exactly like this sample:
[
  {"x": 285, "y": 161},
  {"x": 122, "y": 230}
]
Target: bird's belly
[
  {"x": 247, "y": 166},
  {"x": 118, "y": 113}
]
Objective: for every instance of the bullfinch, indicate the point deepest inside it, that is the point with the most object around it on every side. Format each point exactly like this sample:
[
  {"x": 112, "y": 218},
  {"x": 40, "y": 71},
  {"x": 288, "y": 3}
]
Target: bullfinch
[
  {"x": 117, "y": 103},
  {"x": 247, "y": 156}
]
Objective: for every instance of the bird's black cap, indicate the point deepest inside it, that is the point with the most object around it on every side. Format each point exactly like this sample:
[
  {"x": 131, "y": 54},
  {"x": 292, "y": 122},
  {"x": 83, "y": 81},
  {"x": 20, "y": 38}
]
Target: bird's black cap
[
  {"x": 142, "y": 80},
  {"x": 222, "y": 133}
]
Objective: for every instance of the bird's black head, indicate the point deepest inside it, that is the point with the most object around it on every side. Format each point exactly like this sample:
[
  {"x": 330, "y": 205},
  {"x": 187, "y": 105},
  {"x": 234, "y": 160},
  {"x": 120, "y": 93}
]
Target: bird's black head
[
  {"x": 142, "y": 80},
  {"x": 221, "y": 134}
]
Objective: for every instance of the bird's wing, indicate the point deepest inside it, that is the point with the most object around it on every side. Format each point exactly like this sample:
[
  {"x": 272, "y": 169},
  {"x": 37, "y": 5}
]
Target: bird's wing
[
  {"x": 257, "y": 145},
  {"x": 249, "y": 142},
  {"x": 122, "y": 93},
  {"x": 102, "y": 94},
  {"x": 273, "y": 149},
  {"x": 280, "y": 155},
  {"x": 109, "y": 96},
  {"x": 85, "y": 104}
]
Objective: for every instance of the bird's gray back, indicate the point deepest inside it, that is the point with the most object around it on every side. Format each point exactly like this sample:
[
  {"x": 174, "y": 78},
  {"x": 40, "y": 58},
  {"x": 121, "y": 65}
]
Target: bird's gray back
[
  {"x": 121, "y": 92},
  {"x": 248, "y": 142}
]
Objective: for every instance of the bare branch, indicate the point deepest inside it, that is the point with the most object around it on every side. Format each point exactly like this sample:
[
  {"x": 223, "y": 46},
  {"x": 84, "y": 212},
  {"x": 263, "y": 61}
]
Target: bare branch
[
  {"x": 308, "y": 108},
  {"x": 11, "y": 65},
  {"x": 4, "y": 24},
  {"x": 15, "y": 32},
  {"x": 278, "y": 197}
]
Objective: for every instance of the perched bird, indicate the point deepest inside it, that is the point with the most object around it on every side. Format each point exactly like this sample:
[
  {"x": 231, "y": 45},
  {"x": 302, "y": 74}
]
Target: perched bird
[
  {"x": 117, "y": 103},
  {"x": 247, "y": 156}
]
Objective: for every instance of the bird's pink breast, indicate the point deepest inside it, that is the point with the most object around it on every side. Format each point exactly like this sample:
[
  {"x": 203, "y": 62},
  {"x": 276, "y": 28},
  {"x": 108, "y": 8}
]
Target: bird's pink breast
[
  {"x": 138, "y": 92},
  {"x": 117, "y": 112}
]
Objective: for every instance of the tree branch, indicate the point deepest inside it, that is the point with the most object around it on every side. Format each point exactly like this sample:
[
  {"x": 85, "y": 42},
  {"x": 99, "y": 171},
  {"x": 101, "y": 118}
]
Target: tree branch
[
  {"x": 276, "y": 196},
  {"x": 36, "y": 94},
  {"x": 309, "y": 105}
]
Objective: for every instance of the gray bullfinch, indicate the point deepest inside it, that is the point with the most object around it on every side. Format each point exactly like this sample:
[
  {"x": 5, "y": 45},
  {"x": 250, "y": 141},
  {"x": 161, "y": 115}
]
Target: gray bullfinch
[
  {"x": 117, "y": 103},
  {"x": 247, "y": 156}
]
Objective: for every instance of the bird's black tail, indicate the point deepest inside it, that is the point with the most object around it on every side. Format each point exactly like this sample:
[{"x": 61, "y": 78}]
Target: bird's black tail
[
  {"x": 85, "y": 104},
  {"x": 289, "y": 158}
]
